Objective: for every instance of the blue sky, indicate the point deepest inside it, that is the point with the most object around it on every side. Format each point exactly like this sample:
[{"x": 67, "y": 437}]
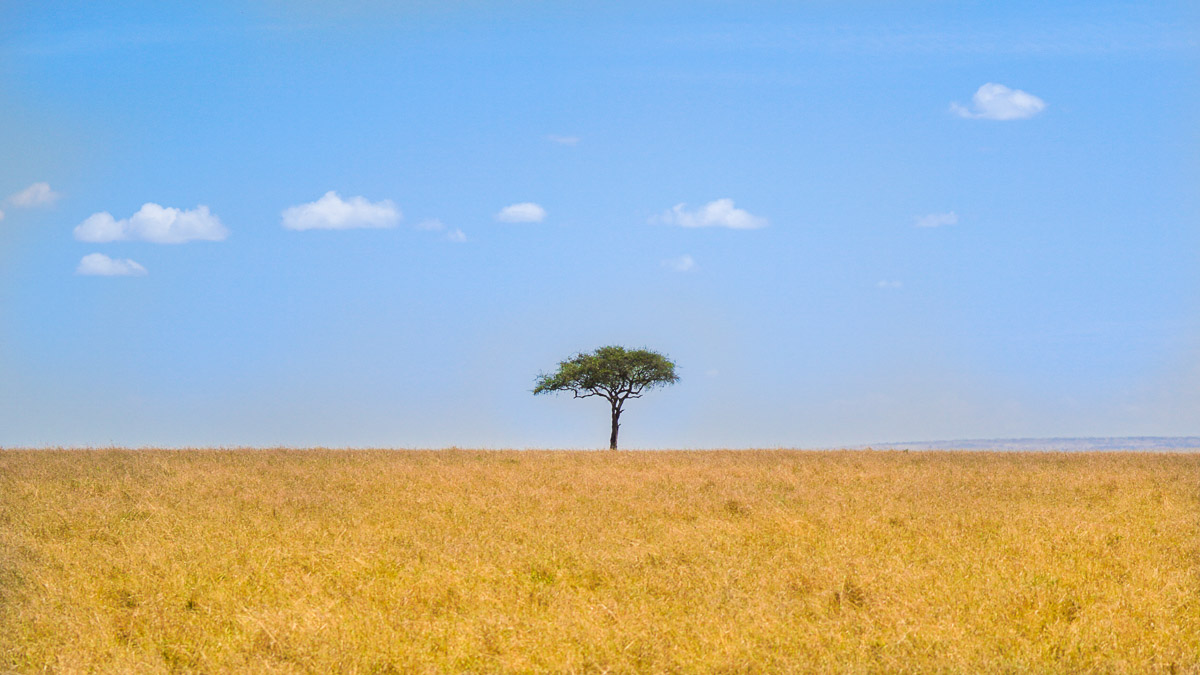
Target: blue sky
[{"x": 847, "y": 222}]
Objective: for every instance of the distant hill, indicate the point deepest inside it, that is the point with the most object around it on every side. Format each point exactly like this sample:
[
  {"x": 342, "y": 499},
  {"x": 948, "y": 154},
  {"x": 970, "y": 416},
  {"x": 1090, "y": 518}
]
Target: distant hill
[{"x": 1136, "y": 443}]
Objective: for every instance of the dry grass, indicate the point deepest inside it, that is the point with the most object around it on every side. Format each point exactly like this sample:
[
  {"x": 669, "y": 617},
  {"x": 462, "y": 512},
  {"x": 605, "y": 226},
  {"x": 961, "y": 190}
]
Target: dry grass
[{"x": 382, "y": 562}]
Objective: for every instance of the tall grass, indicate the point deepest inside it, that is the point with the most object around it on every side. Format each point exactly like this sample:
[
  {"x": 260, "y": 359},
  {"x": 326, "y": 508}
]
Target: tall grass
[{"x": 381, "y": 562}]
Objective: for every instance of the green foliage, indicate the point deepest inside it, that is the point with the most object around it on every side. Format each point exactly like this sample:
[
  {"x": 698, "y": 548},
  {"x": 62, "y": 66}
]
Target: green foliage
[{"x": 612, "y": 372}]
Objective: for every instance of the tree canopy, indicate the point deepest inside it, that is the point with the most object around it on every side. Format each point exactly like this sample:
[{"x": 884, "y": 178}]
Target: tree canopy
[{"x": 613, "y": 373}]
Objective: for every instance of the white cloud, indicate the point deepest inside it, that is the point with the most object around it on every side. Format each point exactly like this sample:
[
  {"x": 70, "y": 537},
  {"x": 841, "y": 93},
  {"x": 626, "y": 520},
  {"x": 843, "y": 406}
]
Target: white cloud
[
  {"x": 1, "y": 215},
  {"x": 331, "y": 212},
  {"x": 683, "y": 263},
  {"x": 38, "y": 194},
  {"x": 998, "y": 102},
  {"x": 936, "y": 219},
  {"x": 525, "y": 212},
  {"x": 563, "y": 140},
  {"x": 719, "y": 213},
  {"x": 889, "y": 285},
  {"x": 434, "y": 225},
  {"x": 153, "y": 223},
  {"x": 100, "y": 265}
]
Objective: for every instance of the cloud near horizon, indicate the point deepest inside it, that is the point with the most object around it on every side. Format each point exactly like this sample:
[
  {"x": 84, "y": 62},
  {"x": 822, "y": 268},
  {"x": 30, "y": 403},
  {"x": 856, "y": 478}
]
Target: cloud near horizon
[
  {"x": 718, "y": 213},
  {"x": 997, "y": 102},
  {"x": 153, "y": 223},
  {"x": 524, "y": 212},
  {"x": 331, "y": 212},
  {"x": 100, "y": 265},
  {"x": 38, "y": 194},
  {"x": 936, "y": 220}
]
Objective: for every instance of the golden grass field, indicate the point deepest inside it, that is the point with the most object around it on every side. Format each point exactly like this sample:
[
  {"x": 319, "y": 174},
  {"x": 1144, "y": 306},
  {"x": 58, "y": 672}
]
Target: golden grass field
[{"x": 730, "y": 561}]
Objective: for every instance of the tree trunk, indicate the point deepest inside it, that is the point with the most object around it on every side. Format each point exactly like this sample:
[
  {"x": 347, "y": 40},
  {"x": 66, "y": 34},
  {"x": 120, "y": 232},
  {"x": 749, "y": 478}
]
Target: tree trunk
[{"x": 612, "y": 439}]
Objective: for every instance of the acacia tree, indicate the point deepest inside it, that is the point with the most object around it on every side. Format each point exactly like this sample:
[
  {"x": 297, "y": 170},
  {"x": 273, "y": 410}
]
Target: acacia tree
[{"x": 614, "y": 373}]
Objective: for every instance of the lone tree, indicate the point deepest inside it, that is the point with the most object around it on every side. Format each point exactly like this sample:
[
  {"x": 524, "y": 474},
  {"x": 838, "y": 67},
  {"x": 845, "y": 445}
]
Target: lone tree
[{"x": 613, "y": 372}]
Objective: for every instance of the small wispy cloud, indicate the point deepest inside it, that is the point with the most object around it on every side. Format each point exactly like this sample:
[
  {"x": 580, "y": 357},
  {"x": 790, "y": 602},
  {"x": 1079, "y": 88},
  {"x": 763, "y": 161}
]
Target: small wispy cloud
[
  {"x": 455, "y": 235},
  {"x": 683, "y": 263},
  {"x": 997, "y": 102},
  {"x": 718, "y": 213},
  {"x": 153, "y": 223},
  {"x": 38, "y": 194},
  {"x": 89, "y": 41},
  {"x": 525, "y": 212},
  {"x": 563, "y": 140},
  {"x": 331, "y": 212},
  {"x": 100, "y": 265},
  {"x": 936, "y": 219},
  {"x": 1093, "y": 35},
  {"x": 889, "y": 285},
  {"x": 1, "y": 215}
]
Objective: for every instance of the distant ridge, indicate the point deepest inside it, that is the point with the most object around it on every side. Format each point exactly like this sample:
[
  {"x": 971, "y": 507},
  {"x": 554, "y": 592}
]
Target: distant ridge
[{"x": 1133, "y": 443}]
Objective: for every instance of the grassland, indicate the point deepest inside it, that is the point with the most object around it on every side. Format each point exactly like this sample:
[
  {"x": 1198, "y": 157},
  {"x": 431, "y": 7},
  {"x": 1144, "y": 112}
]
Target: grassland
[{"x": 397, "y": 562}]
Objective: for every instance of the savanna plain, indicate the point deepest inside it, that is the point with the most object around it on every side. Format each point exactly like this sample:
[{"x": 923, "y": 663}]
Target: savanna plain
[{"x": 538, "y": 561}]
